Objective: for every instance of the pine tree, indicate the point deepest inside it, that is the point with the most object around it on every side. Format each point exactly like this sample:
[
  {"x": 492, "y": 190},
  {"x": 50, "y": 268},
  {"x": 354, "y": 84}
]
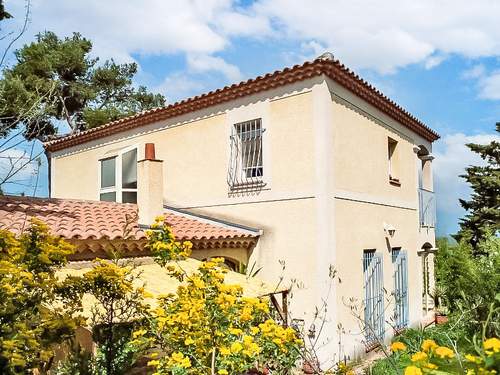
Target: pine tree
[
  {"x": 483, "y": 208},
  {"x": 55, "y": 80}
]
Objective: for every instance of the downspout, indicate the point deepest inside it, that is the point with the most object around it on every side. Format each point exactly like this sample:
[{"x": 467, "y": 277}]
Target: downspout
[{"x": 49, "y": 166}]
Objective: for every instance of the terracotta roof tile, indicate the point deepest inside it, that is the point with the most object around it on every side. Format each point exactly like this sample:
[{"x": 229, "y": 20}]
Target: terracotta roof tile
[
  {"x": 80, "y": 219},
  {"x": 331, "y": 68}
]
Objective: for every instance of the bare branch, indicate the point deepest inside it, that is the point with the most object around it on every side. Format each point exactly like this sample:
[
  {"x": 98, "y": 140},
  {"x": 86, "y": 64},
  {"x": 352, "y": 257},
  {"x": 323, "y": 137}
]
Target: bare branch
[{"x": 21, "y": 32}]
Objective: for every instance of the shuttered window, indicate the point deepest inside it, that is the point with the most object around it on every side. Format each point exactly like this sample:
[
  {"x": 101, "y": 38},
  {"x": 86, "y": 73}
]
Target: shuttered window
[
  {"x": 374, "y": 297},
  {"x": 400, "y": 264}
]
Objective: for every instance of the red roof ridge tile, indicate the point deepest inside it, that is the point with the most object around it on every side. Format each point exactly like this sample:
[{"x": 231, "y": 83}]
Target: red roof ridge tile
[{"x": 332, "y": 68}]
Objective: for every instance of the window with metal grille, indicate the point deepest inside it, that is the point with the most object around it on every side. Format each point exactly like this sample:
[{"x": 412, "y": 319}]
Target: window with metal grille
[
  {"x": 374, "y": 297},
  {"x": 400, "y": 263},
  {"x": 246, "y": 163}
]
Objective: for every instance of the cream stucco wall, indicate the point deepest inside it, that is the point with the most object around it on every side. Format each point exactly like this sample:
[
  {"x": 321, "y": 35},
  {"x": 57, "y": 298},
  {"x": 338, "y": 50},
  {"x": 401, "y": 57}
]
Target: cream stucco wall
[
  {"x": 365, "y": 200},
  {"x": 326, "y": 197},
  {"x": 195, "y": 151}
]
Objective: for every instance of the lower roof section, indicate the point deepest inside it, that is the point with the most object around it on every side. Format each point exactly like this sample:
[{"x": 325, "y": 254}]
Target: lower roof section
[{"x": 95, "y": 221}]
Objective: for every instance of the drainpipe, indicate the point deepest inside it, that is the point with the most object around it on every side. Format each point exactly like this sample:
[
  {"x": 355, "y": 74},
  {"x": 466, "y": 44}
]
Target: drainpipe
[{"x": 49, "y": 166}]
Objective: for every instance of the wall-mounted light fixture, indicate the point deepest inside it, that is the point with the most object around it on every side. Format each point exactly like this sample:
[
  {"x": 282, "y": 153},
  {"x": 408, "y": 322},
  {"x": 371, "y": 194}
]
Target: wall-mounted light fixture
[{"x": 389, "y": 229}]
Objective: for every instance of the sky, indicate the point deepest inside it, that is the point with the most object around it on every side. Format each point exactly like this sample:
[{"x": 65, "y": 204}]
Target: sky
[{"x": 439, "y": 59}]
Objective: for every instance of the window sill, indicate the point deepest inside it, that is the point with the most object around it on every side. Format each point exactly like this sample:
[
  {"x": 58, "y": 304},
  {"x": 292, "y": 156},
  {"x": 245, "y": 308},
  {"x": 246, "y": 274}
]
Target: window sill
[
  {"x": 394, "y": 181},
  {"x": 247, "y": 186}
]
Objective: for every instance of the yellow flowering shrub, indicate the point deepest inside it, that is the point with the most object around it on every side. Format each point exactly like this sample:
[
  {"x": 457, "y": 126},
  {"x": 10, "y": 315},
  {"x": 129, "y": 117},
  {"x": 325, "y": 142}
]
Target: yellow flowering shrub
[
  {"x": 36, "y": 312},
  {"x": 442, "y": 360},
  {"x": 209, "y": 326}
]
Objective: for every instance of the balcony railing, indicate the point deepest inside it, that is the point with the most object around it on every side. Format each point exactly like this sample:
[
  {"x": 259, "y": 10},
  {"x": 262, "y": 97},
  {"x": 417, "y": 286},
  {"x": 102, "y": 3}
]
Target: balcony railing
[{"x": 426, "y": 208}]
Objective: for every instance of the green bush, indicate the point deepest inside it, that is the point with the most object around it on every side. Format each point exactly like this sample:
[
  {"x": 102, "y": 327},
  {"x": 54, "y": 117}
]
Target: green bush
[{"x": 470, "y": 283}]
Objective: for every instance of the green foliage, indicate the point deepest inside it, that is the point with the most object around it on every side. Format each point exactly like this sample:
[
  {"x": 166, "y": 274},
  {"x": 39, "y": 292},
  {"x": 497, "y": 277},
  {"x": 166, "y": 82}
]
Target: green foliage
[
  {"x": 115, "y": 353},
  {"x": 432, "y": 357},
  {"x": 78, "y": 362},
  {"x": 484, "y": 206},
  {"x": 451, "y": 333},
  {"x": 207, "y": 326},
  {"x": 387, "y": 366},
  {"x": 468, "y": 287},
  {"x": 3, "y": 13},
  {"x": 470, "y": 283},
  {"x": 36, "y": 312},
  {"x": 55, "y": 79},
  {"x": 118, "y": 308}
]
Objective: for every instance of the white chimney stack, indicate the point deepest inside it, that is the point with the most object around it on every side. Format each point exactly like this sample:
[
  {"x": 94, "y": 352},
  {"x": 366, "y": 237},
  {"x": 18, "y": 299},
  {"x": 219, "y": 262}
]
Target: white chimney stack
[{"x": 149, "y": 186}]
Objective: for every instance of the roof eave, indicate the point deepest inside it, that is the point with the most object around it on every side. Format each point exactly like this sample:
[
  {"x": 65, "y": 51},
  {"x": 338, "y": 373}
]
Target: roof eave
[{"x": 331, "y": 68}]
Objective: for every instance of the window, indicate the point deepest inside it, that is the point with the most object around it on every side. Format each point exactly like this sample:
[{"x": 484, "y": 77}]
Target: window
[
  {"x": 374, "y": 297},
  {"x": 400, "y": 264},
  {"x": 246, "y": 162},
  {"x": 108, "y": 180},
  {"x": 393, "y": 161},
  {"x": 119, "y": 177},
  {"x": 129, "y": 176}
]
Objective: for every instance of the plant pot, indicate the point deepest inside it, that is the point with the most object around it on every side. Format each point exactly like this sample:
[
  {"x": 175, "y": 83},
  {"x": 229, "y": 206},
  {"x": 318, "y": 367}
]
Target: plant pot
[{"x": 440, "y": 319}]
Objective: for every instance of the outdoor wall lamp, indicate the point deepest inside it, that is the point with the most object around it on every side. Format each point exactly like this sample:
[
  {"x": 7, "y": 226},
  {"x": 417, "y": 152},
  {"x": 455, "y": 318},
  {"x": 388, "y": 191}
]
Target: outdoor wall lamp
[{"x": 389, "y": 229}]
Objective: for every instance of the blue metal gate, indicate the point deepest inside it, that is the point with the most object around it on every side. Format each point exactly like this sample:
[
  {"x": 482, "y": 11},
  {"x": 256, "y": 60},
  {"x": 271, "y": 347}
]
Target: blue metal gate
[
  {"x": 374, "y": 297},
  {"x": 400, "y": 262}
]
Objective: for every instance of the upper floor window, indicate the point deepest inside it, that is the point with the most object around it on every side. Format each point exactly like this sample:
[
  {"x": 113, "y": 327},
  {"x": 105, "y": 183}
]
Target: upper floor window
[
  {"x": 119, "y": 177},
  {"x": 246, "y": 163},
  {"x": 392, "y": 151}
]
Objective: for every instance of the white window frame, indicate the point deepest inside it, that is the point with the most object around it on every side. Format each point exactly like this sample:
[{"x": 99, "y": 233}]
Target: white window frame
[{"x": 117, "y": 189}]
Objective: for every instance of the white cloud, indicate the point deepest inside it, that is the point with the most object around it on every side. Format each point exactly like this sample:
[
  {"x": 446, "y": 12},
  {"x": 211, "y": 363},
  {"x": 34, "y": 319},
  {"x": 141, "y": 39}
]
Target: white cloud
[
  {"x": 177, "y": 86},
  {"x": 206, "y": 63},
  {"x": 434, "y": 61},
  {"x": 490, "y": 86},
  {"x": 383, "y": 35},
  {"x": 243, "y": 24},
  {"x": 121, "y": 28},
  {"x": 378, "y": 35},
  {"x": 488, "y": 83},
  {"x": 16, "y": 162},
  {"x": 452, "y": 157},
  {"x": 477, "y": 71},
  {"x": 386, "y": 35}
]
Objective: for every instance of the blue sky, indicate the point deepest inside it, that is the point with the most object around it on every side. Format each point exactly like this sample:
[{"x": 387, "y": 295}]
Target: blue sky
[{"x": 438, "y": 59}]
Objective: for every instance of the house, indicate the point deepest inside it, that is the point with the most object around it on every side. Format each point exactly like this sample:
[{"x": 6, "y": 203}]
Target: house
[{"x": 330, "y": 172}]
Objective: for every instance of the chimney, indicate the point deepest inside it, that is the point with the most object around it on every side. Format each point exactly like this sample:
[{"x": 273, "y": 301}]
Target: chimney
[{"x": 149, "y": 186}]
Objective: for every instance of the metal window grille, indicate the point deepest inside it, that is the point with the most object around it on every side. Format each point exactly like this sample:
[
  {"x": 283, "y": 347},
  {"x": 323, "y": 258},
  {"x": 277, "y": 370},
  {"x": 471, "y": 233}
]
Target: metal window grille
[
  {"x": 400, "y": 262},
  {"x": 374, "y": 297},
  {"x": 246, "y": 164}
]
